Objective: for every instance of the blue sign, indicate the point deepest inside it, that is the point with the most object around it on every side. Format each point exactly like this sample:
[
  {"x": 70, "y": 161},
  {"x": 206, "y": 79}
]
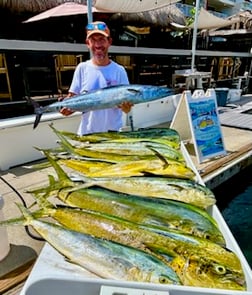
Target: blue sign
[{"x": 205, "y": 126}]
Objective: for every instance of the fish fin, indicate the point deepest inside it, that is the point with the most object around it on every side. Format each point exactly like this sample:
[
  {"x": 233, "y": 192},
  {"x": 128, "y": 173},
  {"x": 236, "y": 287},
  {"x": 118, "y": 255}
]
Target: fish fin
[
  {"x": 13, "y": 221},
  {"x": 161, "y": 250},
  {"x": 64, "y": 142},
  {"x": 45, "y": 190},
  {"x": 62, "y": 175},
  {"x": 26, "y": 213},
  {"x": 51, "y": 180},
  {"x": 32, "y": 204},
  {"x": 22, "y": 219},
  {"x": 38, "y": 110},
  {"x": 134, "y": 91},
  {"x": 41, "y": 200},
  {"x": 63, "y": 179},
  {"x": 37, "y": 120},
  {"x": 38, "y": 166},
  {"x": 159, "y": 155}
]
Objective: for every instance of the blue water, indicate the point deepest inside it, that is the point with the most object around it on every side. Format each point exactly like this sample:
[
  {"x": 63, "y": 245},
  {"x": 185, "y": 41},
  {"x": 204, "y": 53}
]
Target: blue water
[{"x": 234, "y": 199}]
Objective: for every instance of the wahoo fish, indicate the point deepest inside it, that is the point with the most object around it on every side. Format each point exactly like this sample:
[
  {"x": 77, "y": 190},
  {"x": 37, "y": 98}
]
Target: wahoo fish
[
  {"x": 107, "y": 259},
  {"x": 107, "y": 97}
]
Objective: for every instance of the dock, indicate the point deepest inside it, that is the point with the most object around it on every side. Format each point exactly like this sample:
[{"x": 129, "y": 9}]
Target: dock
[
  {"x": 239, "y": 156},
  {"x": 24, "y": 250},
  {"x": 236, "y": 125}
]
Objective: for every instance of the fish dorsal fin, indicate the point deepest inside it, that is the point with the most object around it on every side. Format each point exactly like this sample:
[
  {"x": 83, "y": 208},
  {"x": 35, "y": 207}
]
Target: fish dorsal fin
[
  {"x": 134, "y": 91},
  {"x": 159, "y": 155}
]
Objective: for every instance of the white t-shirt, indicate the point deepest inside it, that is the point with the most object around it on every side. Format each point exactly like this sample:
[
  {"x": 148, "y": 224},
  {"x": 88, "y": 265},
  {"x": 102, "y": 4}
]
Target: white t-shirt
[{"x": 87, "y": 77}]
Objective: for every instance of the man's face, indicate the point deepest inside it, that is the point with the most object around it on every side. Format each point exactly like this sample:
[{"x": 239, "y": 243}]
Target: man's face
[{"x": 98, "y": 45}]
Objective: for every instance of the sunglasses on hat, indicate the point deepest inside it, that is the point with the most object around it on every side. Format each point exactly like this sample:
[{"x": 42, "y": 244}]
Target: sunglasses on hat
[{"x": 99, "y": 26}]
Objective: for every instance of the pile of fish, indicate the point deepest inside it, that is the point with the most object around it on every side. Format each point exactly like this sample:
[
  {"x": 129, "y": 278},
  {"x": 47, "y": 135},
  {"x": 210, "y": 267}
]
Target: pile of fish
[{"x": 132, "y": 210}]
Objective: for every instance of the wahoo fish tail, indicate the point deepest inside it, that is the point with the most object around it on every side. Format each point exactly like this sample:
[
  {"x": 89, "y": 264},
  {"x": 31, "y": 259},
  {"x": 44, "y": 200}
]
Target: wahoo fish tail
[{"x": 38, "y": 110}]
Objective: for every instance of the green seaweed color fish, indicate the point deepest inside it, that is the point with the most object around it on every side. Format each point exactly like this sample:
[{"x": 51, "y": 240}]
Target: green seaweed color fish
[{"x": 104, "y": 258}]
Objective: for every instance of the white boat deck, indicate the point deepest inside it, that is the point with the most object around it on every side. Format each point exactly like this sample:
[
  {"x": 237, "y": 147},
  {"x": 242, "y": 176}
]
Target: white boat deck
[{"x": 237, "y": 115}]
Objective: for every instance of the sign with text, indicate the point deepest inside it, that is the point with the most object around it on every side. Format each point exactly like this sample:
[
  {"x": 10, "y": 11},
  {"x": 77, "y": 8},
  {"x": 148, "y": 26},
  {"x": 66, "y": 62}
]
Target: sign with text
[{"x": 201, "y": 123}]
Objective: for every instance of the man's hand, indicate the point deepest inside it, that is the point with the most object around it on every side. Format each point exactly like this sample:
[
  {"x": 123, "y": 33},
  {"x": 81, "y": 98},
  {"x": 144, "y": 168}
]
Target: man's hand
[
  {"x": 66, "y": 111},
  {"x": 126, "y": 106}
]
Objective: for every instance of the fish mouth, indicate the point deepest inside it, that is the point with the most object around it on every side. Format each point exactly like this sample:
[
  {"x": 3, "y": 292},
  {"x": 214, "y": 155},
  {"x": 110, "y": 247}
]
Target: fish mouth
[
  {"x": 237, "y": 280},
  {"x": 241, "y": 282}
]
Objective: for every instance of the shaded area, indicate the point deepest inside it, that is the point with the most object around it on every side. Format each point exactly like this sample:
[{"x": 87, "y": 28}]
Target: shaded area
[
  {"x": 18, "y": 256},
  {"x": 235, "y": 202}
]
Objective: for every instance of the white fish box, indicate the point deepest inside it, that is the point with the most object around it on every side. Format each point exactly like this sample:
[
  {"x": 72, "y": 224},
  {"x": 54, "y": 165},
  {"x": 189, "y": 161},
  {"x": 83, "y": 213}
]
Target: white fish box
[
  {"x": 18, "y": 138},
  {"x": 52, "y": 274},
  {"x": 153, "y": 113},
  {"x": 234, "y": 95}
]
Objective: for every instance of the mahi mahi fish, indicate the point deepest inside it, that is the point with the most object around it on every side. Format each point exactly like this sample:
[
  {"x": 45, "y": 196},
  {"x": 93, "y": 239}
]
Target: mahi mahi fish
[
  {"x": 184, "y": 190},
  {"x": 169, "y": 134},
  {"x": 105, "y": 258},
  {"x": 196, "y": 261},
  {"x": 140, "y": 209},
  {"x": 107, "y": 97}
]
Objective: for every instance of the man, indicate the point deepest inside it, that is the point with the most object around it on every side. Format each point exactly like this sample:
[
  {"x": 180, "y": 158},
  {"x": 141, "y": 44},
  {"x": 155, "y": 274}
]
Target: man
[{"x": 98, "y": 72}]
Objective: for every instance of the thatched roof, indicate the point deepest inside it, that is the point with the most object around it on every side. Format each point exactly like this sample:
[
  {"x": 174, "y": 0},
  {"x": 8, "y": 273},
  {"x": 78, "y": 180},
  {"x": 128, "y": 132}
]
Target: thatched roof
[
  {"x": 34, "y": 6},
  {"x": 161, "y": 17}
]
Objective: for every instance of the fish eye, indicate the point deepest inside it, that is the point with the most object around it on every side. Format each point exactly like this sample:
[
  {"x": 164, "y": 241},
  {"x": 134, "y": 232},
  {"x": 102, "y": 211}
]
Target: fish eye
[
  {"x": 219, "y": 269},
  {"x": 164, "y": 280},
  {"x": 207, "y": 236}
]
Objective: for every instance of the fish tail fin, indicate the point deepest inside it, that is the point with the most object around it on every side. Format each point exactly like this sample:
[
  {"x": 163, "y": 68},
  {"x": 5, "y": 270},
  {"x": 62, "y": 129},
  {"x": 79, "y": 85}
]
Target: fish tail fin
[
  {"x": 38, "y": 110},
  {"x": 64, "y": 179},
  {"x": 37, "y": 120},
  {"x": 62, "y": 175},
  {"x": 46, "y": 191},
  {"x": 13, "y": 221},
  {"x": 45, "y": 207},
  {"x": 64, "y": 142},
  {"x": 26, "y": 214},
  {"x": 42, "y": 202}
]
